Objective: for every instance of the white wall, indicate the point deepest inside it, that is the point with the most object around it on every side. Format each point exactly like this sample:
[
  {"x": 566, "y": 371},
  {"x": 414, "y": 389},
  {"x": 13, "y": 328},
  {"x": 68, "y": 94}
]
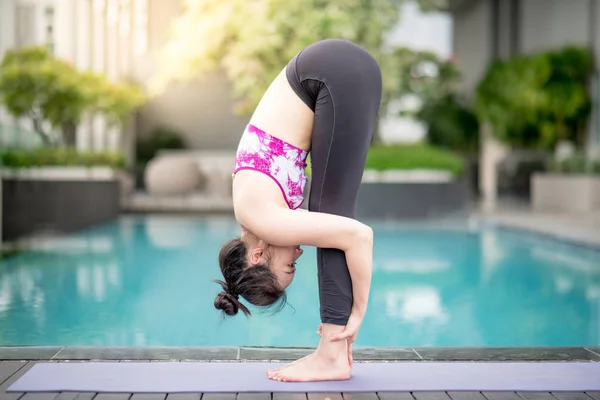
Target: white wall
[
  {"x": 200, "y": 110},
  {"x": 547, "y": 24},
  {"x": 472, "y": 43}
]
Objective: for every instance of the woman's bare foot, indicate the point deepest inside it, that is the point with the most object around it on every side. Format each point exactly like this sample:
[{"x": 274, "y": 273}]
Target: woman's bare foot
[
  {"x": 273, "y": 371},
  {"x": 316, "y": 367},
  {"x": 329, "y": 362}
]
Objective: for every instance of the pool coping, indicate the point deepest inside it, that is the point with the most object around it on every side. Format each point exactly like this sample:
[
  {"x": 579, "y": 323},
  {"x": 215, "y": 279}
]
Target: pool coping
[
  {"x": 269, "y": 354},
  {"x": 492, "y": 222}
]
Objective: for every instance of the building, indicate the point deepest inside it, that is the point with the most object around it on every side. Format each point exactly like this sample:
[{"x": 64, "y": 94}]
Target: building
[
  {"x": 104, "y": 36},
  {"x": 122, "y": 39},
  {"x": 484, "y": 30}
]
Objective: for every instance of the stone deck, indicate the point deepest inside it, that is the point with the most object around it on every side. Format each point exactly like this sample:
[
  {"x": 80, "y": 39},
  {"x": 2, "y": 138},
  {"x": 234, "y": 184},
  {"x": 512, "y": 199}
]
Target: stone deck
[
  {"x": 207, "y": 353},
  {"x": 16, "y": 361}
]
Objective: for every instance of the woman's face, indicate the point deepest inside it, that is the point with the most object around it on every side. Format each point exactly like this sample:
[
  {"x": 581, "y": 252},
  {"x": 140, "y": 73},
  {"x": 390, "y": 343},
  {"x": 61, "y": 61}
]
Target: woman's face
[
  {"x": 281, "y": 260},
  {"x": 283, "y": 263}
]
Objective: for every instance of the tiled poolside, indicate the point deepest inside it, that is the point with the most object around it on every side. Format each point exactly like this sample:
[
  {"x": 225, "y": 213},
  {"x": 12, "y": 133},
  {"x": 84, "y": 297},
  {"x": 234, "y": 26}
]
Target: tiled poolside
[
  {"x": 16, "y": 361},
  {"x": 208, "y": 353}
]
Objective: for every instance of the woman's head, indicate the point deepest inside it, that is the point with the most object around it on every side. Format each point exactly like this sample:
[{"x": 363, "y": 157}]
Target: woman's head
[{"x": 256, "y": 271}]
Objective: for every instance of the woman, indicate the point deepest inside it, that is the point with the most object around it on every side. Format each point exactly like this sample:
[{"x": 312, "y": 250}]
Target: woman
[{"x": 326, "y": 101}]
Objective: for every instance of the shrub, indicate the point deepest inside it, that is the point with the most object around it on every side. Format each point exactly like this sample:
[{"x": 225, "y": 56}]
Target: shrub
[
  {"x": 162, "y": 137},
  {"x": 413, "y": 156},
  {"x": 450, "y": 125},
  {"x": 60, "y": 157},
  {"x": 5, "y": 254},
  {"x": 578, "y": 163},
  {"x": 536, "y": 100},
  {"x": 435, "y": 81},
  {"x": 35, "y": 84}
]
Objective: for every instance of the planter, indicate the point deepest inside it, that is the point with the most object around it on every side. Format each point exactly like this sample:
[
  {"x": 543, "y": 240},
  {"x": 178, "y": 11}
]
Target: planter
[
  {"x": 75, "y": 173},
  {"x": 414, "y": 194},
  {"x": 57, "y": 199},
  {"x": 565, "y": 192}
]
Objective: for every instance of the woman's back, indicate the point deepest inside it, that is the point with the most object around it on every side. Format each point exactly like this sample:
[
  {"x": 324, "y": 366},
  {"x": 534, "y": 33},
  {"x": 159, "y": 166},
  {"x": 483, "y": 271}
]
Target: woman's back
[{"x": 284, "y": 116}]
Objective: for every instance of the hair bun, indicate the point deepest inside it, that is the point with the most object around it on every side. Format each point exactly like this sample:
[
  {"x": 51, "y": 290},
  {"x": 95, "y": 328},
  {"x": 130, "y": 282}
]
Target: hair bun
[{"x": 228, "y": 303}]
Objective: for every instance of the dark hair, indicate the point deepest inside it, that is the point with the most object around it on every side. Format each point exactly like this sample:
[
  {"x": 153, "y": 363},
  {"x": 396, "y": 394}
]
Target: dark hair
[{"x": 257, "y": 284}]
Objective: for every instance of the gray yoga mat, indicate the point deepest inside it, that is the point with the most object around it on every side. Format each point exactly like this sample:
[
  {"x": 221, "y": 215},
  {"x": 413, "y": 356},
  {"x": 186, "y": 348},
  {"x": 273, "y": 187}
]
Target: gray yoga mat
[{"x": 198, "y": 377}]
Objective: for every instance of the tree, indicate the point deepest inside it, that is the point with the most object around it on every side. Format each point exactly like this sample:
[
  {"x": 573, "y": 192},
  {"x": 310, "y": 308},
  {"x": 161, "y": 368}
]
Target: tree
[
  {"x": 117, "y": 101},
  {"x": 251, "y": 40},
  {"x": 425, "y": 74},
  {"x": 536, "y": 100},
  {"x": 49, "y": 91},
  {"x": 35, "y": 85},
  {"x": 435, "y": 82}
]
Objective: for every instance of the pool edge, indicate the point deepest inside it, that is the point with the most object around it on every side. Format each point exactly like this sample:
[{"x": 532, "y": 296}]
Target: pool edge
[
  {"x": 582, "y": 242},
  {"x": 241, "y": 354}
]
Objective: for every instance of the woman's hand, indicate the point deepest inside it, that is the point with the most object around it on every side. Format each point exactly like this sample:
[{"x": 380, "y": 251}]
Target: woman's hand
[
  {"x": 348, "y": 342},
  {"x": 281, "y": 226},
  {"x": 351, "y": 329}
]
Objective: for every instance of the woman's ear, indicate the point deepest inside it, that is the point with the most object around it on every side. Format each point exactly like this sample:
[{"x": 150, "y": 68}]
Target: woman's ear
[{"x": 256, "y": 255}]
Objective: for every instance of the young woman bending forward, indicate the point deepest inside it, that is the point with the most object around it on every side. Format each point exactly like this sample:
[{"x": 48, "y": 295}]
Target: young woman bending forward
[{"x": 326, "y": 102}]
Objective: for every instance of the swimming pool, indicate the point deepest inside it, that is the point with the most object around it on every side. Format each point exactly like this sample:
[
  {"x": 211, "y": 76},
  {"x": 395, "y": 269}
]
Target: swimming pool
[{"x": 145, "y": 281}]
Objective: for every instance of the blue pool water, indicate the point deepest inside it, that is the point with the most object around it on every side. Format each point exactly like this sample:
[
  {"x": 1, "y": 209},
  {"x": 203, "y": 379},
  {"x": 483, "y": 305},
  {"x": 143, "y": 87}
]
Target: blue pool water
[{"x": 148, "y": 281}]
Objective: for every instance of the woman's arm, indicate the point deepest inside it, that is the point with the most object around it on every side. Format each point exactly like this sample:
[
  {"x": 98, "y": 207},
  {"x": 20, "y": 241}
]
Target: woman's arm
[{"x": 281, "y": 226}]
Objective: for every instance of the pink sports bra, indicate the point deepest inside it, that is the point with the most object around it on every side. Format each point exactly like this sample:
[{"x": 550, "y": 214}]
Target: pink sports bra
[{"x": 281, "y": 161}]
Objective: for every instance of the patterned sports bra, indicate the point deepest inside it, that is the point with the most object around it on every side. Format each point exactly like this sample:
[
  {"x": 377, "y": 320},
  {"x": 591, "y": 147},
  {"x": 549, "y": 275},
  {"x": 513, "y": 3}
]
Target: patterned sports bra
[{"x": 281, "y": 161}]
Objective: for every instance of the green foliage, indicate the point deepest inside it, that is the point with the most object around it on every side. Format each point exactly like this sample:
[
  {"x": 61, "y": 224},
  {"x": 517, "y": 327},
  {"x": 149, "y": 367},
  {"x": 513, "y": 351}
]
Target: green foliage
[
  {"x": 578, "y": 163},
  {"x": 426, "y": 74},
  {"x": 119, "y": 101},
  {"x": 413, "y": 156},
  {"x": 6, "y": 254},
  {"x": 435, "y": 81},
  {"x": 253, "y": 40},
  {"x": 48, "y": 156},
  {"x": 36, "y": 85},
  {"x": 450, "y": 125},
  {"x": 410, "y": 157},
  {"x": 539, "y": 99},
  {"x": 160, "y": 138}
]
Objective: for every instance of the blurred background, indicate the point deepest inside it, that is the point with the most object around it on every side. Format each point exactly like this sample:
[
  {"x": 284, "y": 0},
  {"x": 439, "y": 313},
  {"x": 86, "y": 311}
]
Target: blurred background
[
  {"x": 119, "y": 121},
  {"x": 488, "y": 91}
]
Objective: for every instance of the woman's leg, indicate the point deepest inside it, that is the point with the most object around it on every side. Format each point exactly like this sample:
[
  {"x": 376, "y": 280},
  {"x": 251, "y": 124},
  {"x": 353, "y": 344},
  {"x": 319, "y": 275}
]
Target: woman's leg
[{"x": 341, "y": 83}]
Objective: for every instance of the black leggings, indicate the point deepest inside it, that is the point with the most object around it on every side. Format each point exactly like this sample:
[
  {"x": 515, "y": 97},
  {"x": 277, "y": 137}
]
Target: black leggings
[{"x": 341, "y": 83}]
